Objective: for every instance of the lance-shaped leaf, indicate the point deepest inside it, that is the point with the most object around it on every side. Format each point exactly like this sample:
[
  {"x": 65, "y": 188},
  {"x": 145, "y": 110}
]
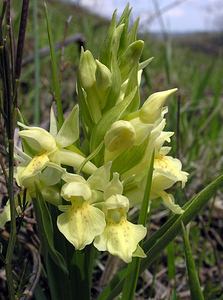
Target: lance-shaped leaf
[
  {"x": 46, "y": 230},
  {"x": 195, "y": 288}
]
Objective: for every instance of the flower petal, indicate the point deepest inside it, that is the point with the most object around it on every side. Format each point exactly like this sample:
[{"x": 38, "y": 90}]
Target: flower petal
[
  {"x": 73, "y": 190},
  {"x": 117, "y": 201},
  {"x": 100, "y": 178},
  {"x": 69, "y": 132},
  {"x": 25, "y": 174},
  {"x": 167, "y": 171},
  {"x": 113, "y": 187},
  {"x": 38, "y": 139},
  {"x": 121, "y": 239},
  {"x": 80, "y": 225},
  {"x": 168, "y": 201}
]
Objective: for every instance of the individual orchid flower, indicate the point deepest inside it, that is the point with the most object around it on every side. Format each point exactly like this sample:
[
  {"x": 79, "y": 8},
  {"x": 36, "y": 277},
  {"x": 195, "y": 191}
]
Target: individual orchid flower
[
  {"x": 46, "y": 176},
  {"x": 167, "y": 171},
  {"x": 45, "y": 147},
  {"x": 120, "y": 237},
  {"x": 137, "y": 126},
  {"x": 82, "y": 220}
]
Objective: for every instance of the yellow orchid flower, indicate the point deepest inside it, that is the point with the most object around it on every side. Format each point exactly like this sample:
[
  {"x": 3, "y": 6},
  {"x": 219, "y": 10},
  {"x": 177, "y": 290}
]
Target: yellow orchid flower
[
  {"x": 120, "y": 237},
  {"x": 51, "y": 146},
  {"x": 33, "y": 171},
  {"x": 167, "y": 172},
  {"x": 82, "y": 221}
]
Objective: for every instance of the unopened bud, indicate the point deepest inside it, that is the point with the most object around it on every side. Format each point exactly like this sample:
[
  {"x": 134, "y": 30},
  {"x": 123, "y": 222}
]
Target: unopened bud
[
  {"x": 151, "y": 109},
  {"x": 120, "y": 136}
]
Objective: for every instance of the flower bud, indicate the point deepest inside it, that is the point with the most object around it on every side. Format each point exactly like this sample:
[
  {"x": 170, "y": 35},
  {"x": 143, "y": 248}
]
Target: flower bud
[
  {"x": 87, "y": 69},
  {"x": 103, "y": 76},
  {"x": 130, "y": 58},
  {"x": 120, "y": 136},
  {"x": 38, "y": 139},
  {"x": 151, "y": 109}
]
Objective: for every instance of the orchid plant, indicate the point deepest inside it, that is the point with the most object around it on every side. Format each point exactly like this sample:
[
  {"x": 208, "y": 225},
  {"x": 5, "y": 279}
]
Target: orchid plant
[{"x": 86, "y": 177}]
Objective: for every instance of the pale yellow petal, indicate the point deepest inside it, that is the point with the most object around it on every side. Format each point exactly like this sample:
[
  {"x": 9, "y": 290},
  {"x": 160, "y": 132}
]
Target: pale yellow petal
[
  {"x": 80, "y": 225},
  {"x": 25, "y": 174},
  {"x": 121, "y": 239},
  {"x": 69, "y": 177},
  {"x": 38, "y": 139},
  {"x": 142, "y": 130},
  {"x": 168, "y": 201},
  {"x": 100, "y": 178},
  {"x": 168, "y": 171},
  {"x": 117, "y": 201},
  {"x": 113, "y": 187},
  {"x": 73, "y": 190}
]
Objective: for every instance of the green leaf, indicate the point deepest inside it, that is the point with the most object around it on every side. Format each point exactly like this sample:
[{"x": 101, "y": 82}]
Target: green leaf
[
  {"x": 145, "y": 63},
  {"x": 195, "y": 289},
  {"x": 69, "y": 132},
  {"x": 105, "y": 55},
  {"x": 124, "y": 20},
  {"x": 160, "y": 239},
  {"x": 46, "y": 230},
  {"x": 201, "y": 84},
  {"x": 132, "y": 35}
]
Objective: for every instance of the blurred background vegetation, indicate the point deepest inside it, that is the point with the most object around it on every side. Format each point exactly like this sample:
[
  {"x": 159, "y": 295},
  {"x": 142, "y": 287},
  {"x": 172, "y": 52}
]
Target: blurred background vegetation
[{"x": 191, "y": 62}]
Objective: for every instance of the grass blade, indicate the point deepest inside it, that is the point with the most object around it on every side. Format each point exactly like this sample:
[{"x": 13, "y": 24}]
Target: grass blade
[
  {"x": 55, "y": 73},
  {"x": 195, "y": 289}
]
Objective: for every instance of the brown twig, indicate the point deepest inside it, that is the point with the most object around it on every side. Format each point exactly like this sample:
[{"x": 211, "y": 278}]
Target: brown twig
[{"x": 77, "y": 38}]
